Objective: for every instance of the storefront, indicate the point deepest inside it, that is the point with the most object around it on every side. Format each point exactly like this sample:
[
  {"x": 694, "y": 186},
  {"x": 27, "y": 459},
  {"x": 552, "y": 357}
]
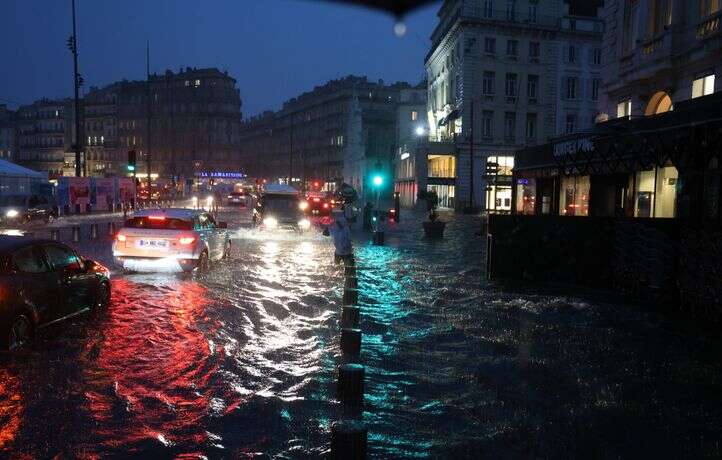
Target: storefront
[
  {"x": 442, "y": 178},
  {"x": 663, "y": 166},
  {"x": 498, "y": 179}
]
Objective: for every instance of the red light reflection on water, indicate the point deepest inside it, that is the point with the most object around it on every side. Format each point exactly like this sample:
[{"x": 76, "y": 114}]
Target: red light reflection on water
[
  {"x": 150, "y": 373},
  {"x": 12, "y": 407}
]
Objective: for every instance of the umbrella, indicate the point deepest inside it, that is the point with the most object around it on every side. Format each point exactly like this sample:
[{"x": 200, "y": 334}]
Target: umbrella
[{"x": 395, "y": 7}]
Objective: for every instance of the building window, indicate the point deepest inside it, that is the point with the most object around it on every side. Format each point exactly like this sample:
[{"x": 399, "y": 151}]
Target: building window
[
  {"x": 631, "y": 19},
  {"x": 531, "y": 86},
  {"x": 487, "y": 84},
  {"x": 571, "y": 88},
  {"x": 512, "y": 47},
  {"x": 487, "y": 124},
  {"x": 511, "y": 10},
  {"x": 574, "y": 196},
  {"x": 414, "y": 115},
  {"x": 490, "y": 45},
  {"x": 188, "y": 83},
  {"x": 624, "y": 108},
  {"x": 655, "y": 193},
  {"x": 510, "y": 88},
  {"x": 510, "y": 125},
  {"x": 532, "y": 11},
  {"x": 197, "y": 83},
  {"x": 534, "y": 50},
  {"x": 596, "y": 82},
  {"x": 703, "y": 86},
  {"x": 442, "y": 165},
  {"x": 531, "y": 126},
  {"x": 572, "y": 54},
  {"x": 597, "y": 56},
  {"x": 488, "y": 9},
  {"x": 571, "y": 123}
]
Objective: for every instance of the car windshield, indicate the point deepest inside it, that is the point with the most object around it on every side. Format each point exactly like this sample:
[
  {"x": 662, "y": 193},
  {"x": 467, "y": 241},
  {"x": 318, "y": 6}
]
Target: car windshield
[
  {"x": 281, "y": 205},
  {"x": 160, "y": 223}
]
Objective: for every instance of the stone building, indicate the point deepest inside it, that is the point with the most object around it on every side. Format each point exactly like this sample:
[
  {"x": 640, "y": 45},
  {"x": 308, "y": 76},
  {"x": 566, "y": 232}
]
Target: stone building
[
  {"x": 339, "y": 132},
  {"x": 411, "y": 131},
  {"x": 502, "y": 75},
  {"x": 7, "y": 134},
  {"x": 41, "y": 134}
]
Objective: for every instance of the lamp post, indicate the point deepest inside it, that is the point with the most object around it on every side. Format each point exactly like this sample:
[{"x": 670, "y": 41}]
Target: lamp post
[{"x": 77, "y": 83}]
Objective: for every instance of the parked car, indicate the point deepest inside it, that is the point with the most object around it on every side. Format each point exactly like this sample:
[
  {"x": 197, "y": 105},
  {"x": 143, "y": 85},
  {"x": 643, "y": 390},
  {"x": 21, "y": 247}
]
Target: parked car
[
  {"x": 280, "y": 206},
  {"x": 43, "y": 282},
  {"x": 23, "y": 209},
  {"x": 171, "y": 240}
]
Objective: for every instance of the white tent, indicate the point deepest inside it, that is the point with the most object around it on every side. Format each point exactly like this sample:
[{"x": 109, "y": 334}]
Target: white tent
[{"x": 17, "y": 180}]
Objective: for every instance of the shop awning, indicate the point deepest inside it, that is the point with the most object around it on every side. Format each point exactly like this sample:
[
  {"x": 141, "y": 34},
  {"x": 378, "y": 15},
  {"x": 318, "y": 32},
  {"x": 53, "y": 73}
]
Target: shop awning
[{"x": 453, "y": 115}]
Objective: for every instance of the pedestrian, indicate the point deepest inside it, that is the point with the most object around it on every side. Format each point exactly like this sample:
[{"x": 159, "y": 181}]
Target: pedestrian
[
  {"x": 341, "y": 234},
  {"x": 368, "y": 214}
]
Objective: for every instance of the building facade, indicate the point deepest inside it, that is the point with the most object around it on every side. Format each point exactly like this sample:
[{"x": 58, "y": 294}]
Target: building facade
[
  {"x": 503, "y": 75},
  {"x": 411, "y": 132},
  {"x": 7, "y": 134},
  {"x": 338, "y": 132},
  {"x": 41, "y": 136}
]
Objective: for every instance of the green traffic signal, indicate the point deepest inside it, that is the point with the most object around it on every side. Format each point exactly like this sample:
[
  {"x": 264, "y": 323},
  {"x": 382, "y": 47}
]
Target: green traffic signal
[
  {"x": 131, "y": 168},
  {"x": 378, "y": 180}
]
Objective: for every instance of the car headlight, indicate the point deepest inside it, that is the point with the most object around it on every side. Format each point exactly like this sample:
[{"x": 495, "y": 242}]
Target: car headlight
[
  {"x": 209, "y": 200},
  {"x": 304, "y": 224},
  {"x": 270, "y": 222},
  {"x": 12, "y": 213},
  {"x": 195, "y": 200},
  {"x": 303, "y": 205}
]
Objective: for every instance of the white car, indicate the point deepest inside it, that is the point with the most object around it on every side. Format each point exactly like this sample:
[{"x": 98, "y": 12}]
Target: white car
[{"x": 170, "y": 240}]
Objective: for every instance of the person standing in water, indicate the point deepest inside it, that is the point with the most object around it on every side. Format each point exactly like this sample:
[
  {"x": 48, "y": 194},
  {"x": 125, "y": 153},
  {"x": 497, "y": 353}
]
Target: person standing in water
[{"x": 341, "y": 234}]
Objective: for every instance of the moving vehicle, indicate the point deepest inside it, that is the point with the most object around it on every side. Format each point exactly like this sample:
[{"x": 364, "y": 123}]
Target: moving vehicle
[
  {"x": 238, "y": 198},
  {"x": 44, "y": 282},
  {"x": 23, "y": 209},
  {"x": 318, "y": 204},
  {"x": 171, "y": 240},
  {"x": 280, "y": 206}
]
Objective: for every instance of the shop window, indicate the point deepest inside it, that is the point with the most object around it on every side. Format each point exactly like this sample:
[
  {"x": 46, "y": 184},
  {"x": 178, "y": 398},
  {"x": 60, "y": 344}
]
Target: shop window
[
  {"x": 644, "y": 194},
  {"x": 446, "y": 194},
  {"x": 574, "y": 196},
  {"x": 498, "y": 198},
  {"x": 525, "y": 196},
  {"x": 666, "y": 192},
  {"x": 442, "y": 166}
]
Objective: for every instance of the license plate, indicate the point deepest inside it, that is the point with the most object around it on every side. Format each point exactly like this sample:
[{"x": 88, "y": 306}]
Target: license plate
[{"x": 161, "y": 245}]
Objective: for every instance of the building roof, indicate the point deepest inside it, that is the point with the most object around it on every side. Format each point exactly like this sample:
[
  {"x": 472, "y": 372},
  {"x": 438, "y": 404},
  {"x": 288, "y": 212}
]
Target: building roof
[
  {"x": 8, "y": 169},
  {"x": 172, "y": 213}
]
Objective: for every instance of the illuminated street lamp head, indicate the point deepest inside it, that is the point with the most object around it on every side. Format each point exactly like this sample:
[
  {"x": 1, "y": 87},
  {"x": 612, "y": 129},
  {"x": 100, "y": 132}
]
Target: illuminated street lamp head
[
  {"x": 378, "y": 180},
  {"x": 420, "y": 131}
]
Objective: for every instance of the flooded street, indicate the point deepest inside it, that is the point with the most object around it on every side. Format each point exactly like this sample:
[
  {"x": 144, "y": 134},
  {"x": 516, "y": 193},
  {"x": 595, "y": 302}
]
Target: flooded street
[{"x": 240, "y": 362}]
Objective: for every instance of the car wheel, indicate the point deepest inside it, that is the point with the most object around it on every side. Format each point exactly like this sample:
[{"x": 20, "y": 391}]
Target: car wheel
[
  {"x": 203, "y": 263},
  {"x": 19, "y": 333},
  {"x": 227, "y": 250},
  {"x": 102, "y": 296}
]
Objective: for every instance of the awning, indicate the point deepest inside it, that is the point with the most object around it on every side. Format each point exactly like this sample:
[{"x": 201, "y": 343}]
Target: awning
[{"x": 453, "y": 115}]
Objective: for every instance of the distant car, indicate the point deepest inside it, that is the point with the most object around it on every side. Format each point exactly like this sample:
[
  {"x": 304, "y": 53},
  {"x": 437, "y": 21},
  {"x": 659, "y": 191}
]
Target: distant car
[
  {"x": 17, "y": 210},
  {"x": 171, "y": 239},
  {"x": 318, "y": 205},
  {"x": 280, "y": 207},
  {"x": 237, "y": 199},
  {"x": 43, "y": 282}
]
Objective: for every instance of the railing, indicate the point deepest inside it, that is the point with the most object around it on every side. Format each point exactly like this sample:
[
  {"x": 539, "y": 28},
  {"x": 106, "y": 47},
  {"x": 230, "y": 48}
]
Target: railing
[
  {"x": 515, "y": 16},
  {"x": 710, "y": 26}
]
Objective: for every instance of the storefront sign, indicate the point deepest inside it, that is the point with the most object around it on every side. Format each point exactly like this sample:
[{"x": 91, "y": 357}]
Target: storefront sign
[
  {"x": 221, "y": 175},
  {"x": 572, "y": 146}
]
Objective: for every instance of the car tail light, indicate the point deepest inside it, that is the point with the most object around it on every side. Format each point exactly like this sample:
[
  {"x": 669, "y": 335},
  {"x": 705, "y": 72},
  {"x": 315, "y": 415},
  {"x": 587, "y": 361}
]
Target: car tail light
[
  {"x": 325, "y": 205},
  {"x": 120, "y": 237},
  {"x": 316, "y": 200},
  {"x": 186, "y": 240},
  {"x": 156, "y": 217}
]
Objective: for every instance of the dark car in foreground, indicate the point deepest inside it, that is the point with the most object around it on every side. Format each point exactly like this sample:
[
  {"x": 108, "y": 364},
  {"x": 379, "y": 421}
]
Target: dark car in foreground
[{"x": 43, "y": 282}]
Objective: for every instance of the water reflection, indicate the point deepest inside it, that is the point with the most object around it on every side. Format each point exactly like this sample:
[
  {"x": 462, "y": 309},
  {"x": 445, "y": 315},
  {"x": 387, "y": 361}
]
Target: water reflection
[{"x": 12, "y": 406}]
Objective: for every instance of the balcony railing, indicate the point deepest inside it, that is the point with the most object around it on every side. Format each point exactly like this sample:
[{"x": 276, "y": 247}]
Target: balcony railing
[
  {"x": 516, "y": 16},
  {"x": 709, "y": 26}
]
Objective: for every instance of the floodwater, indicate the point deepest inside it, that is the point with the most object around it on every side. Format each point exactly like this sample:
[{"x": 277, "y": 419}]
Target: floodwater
[{"x": 239, "y": 363}]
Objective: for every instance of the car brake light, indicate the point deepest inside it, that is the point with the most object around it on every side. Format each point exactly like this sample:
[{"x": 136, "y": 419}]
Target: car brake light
[
  {"x": 316, "y": 200},
  {"x": 187, "y": 240},
  {"x": 156, "y": 217},
  {"x": 120, "y": 237},
  {"x": 325, "y": 205}
]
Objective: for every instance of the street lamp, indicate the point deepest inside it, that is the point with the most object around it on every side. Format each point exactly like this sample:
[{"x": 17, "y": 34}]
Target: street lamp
[{"x": 420, "y": 131}]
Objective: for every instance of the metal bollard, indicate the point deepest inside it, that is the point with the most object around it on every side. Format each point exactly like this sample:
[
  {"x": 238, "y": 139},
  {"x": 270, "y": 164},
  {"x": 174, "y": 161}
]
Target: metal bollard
[
  {"x": 111, "y": 229},
  {"x": 349, "y": 270},
  {"x": 378, "y": 238},
  {"x": 350, "y": 385},
  {"x": 351, "y": 282},
  {"x": 93, "y": 231},
  {"x": 76, "y": 234},
  {"x": 350, "y": 296},
  {"x": 55, "y": 234},
  {"x": 349, "y": 440},
  {"x": 350, "y": 317},
  {"x": 351, "y": 341}
]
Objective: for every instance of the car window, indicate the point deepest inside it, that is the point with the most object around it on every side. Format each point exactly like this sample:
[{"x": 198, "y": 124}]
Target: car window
[
  {"x": 29, "y": 260},
  {"x": 159, "y": 223},
  {"x": 62, "y": 258}
]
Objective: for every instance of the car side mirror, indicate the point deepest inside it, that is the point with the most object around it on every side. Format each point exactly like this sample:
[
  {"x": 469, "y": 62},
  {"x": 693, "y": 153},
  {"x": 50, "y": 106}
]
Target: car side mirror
[{"x": 222, "y": 224}]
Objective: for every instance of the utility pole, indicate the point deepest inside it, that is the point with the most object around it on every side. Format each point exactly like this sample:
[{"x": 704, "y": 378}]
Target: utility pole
[
  {"x": 290, "y": 156},
  {"x": 77, "y": 83},
  {"x": 147, "y": 147}
]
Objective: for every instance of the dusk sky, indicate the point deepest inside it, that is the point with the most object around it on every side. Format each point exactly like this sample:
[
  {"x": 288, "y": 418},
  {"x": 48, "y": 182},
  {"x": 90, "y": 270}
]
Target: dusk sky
[{"x": 275, "y": 49}]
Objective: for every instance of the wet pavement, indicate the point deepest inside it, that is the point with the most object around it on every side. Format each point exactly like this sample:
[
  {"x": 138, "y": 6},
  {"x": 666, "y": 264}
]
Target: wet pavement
[{"x": 240, "y": 363}]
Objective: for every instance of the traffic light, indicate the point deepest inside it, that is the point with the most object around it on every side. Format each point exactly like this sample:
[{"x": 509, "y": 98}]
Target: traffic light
[
  {"x": 131, "y": 160},
  {"x": 377, "y": 180}
]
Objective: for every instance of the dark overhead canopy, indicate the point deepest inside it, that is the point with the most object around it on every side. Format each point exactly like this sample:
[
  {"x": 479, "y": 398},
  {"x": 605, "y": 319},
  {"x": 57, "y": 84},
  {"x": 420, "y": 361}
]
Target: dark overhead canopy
[{"x": 395, "y": 7}]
